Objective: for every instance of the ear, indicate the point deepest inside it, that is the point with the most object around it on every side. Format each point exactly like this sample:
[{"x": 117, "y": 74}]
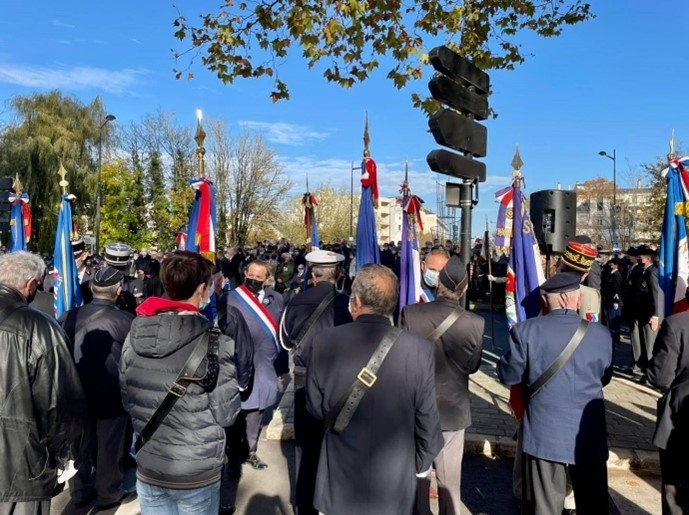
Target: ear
[{"x": 200, "y": 289}]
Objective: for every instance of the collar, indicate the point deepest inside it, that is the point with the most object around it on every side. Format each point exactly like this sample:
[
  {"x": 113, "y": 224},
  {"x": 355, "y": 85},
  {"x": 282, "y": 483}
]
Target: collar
[
  {"x": 373, "y": 319},
  {"x": 102, "y": 302},
  {"x": 12, "y": 292},
  {"x": 155, "y": 305}
]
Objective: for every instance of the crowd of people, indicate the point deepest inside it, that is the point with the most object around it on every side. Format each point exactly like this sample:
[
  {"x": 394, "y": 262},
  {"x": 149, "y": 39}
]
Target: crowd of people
[{"x": 174, "y": 358}]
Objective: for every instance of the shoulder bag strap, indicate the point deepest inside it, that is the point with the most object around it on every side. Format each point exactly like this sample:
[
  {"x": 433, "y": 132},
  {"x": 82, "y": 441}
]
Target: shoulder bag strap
[
  {"x": 308, "y": 325},
  {"x": 93, "y": 316},
  {"x": 566, "y": 353},
  {"x": 175, "y": 391},
  {"x": 439, "y": 331},
  {"x": 338, "y": 418}
]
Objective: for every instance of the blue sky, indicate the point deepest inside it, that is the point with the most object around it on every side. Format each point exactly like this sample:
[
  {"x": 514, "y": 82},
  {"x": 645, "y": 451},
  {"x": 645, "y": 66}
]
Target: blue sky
[{"x": 616, "y": 82}]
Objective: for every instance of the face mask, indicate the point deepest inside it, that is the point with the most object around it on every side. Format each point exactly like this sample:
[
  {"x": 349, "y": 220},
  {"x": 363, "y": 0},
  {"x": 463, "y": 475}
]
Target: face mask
[
  {"x": 394, "y": 252},
  {"x": 254, "y": 285},
  {"x": 430, "y": 277},
  {"x": 204, "y": 304},
  {"x": 301, "y": 271}
]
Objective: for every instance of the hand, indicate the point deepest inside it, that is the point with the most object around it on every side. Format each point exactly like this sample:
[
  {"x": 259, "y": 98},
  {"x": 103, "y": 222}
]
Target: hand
[
  {"x": 425, "y": 473},
  {"x": 615, "y": 306},
  {"x": 491, "y": 278},
  {"x": 68, "y": 473},
  {"x": 654, "y": 323},
  {"x": 365, "y": 176}
]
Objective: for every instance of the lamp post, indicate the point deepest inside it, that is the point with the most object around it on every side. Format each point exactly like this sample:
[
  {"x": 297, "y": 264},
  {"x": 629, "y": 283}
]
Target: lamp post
[
  {"x": 613, "y": 157},
  {"x": 107, "y": 120}
]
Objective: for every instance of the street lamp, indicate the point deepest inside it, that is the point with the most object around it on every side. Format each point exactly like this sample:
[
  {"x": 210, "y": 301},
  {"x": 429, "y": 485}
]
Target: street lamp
[
  {"x": 107, "y": 120},
  {"x": 614, "y": 191}
]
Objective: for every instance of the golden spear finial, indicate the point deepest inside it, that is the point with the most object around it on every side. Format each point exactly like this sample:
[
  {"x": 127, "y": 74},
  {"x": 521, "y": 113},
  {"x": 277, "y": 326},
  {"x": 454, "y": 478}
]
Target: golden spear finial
[
  {"x": 517, "y": 164},
  {"x": 672, "y": 155},
  {"x": 367, "y": 138},
  {"x": 63, "y": 183},
  {"x": 18, "y": 187},
  {"x": 200, "y": 137}
]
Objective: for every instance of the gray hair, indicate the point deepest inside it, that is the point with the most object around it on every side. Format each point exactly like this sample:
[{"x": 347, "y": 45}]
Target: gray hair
[
  {"x": 377, "y": 288},
  {"x": 16, "y": 268},
  {"x": 105, "y": 292},
  {"x": 324, "y": 273}
]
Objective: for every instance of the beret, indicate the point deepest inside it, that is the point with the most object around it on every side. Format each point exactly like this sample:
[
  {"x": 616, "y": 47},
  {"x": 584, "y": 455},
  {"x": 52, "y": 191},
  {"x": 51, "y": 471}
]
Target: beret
[
  {"x": 454, "y": 274},
  {"x": 579, "y": 256},
  {"x": 324, "y": 258},
  {"x": 107, "y": 276},
  {"x": 562, "y": 282}
]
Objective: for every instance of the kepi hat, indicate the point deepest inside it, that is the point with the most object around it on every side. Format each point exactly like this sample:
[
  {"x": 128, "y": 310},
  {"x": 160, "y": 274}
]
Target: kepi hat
[
  {"x": 117, "y": 254},
  {"x": 579, "y": 255},
  {"x": 324, "y": 258}
]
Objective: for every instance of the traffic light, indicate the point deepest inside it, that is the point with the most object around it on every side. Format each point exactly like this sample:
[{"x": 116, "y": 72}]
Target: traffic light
[
  {"x": 464, "y": 88},
  {"x": 5, "y": 206}
]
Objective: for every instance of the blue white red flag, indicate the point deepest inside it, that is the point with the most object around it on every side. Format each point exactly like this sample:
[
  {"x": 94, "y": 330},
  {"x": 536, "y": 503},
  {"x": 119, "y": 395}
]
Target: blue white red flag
[
  {"x": 20, "y": 222},
  {"x": 524, "y": 272},
  {"x": 411, "y": 291},
  {"x": 673, "y": 256},
  {"x": 67, "y": 287},
  {"x": 203, "y": 219}
]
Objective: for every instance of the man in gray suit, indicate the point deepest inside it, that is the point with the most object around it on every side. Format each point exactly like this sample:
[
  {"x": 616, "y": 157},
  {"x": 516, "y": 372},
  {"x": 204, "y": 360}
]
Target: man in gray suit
[{"x": 457, "y": 355}]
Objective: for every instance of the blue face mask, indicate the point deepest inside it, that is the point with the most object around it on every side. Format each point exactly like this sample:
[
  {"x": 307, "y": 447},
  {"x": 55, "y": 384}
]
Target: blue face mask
[
  {"x": 430, "y": 277},
  {"x": 204, "y": 304}
]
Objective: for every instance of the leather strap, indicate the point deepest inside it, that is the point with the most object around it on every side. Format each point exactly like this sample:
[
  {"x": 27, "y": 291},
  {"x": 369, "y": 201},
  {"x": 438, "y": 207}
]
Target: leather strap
[
  {"x": 308, "y": 325},
  {"x": 339, "y": 417},
  {"x": 566, "y": 353},
  {"x": 175, "y": 391},
  {"x": 439, "y": 331}
]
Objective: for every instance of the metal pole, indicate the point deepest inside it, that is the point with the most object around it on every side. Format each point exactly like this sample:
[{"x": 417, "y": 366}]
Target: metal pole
[
  {"x": 614, "y": 197},
  {"x": 466, "y": 204},
  {"x": 351, "y": 201}
]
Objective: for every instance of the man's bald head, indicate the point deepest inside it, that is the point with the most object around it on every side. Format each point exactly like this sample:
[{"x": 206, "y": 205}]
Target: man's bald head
[{"x": 375, "y": 290}]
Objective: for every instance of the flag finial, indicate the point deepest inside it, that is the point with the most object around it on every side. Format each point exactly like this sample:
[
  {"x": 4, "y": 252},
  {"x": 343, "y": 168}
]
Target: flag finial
[
  {"x": 63, "y": 183},
  {"x": 367, "y": 138},
  {"x": 17, "y": 186},
  {"x": 517, "y": 162},
  {"x": 672, "y": 155},
  {"x": 200, "y": 138}
]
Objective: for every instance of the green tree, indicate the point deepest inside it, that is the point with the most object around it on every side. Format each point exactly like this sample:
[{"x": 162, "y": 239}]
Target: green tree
[
  {"x": 51, "y": 129},
  {"x": 250, "y": 39}
]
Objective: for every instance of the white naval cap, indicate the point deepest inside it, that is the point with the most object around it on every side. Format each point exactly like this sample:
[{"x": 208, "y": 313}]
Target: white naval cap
[{"x": 324, "y": 258}]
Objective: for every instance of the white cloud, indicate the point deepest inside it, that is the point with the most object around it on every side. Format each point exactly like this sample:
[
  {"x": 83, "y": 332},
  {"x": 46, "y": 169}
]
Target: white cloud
[
  {"x": 59, "y": 23},
  {"x": 134, "y": 40},
  {"x": 285, "y": 133},
  {"x": 71, "y": 78}
]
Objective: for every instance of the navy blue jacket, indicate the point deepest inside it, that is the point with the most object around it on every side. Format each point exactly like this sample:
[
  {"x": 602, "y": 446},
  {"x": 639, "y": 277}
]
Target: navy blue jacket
[{"x": 565, "y": 421}]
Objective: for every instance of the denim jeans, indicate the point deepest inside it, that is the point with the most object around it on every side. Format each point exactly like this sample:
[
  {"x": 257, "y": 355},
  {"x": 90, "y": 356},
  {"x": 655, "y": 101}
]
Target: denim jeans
[{"x": 155, "y": 500}]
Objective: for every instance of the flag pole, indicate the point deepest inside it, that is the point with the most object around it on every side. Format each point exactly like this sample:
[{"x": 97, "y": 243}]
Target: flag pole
[{"x": 486, "y": 243}]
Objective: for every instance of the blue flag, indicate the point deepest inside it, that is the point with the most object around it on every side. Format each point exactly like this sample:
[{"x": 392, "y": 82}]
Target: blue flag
[
  {"x": 18, "y": 236},
  {"x": 67, "y": 288}
]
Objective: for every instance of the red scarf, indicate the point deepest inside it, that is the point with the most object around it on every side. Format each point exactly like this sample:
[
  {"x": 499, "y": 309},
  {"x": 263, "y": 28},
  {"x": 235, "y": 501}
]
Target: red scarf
[{"x": 155, "y": 305}]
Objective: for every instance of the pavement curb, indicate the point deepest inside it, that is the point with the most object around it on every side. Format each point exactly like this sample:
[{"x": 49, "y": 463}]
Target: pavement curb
[{"x": 281, "y": 427}]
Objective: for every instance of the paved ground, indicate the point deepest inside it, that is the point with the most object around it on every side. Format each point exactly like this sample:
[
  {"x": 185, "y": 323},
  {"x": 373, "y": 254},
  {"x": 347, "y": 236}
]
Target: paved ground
[{"x": 486, "y": 488}]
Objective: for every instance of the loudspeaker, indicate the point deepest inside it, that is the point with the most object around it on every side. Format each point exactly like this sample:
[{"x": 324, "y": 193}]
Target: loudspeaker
[{"x": 554, "y": 218}]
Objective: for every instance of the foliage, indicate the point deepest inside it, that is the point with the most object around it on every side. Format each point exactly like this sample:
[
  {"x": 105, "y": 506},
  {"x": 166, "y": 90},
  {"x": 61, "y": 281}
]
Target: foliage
[
  {"x": 51, "y": 129},
  {"x": 251, "y": 39},
  {"x": 335, "y": 214}
]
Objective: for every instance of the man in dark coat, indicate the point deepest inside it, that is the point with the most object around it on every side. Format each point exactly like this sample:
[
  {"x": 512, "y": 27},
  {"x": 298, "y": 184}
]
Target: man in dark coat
[
  {"x": 457, "y": 354},
  {"x": 612, "y": 298},
  {"x": 295, "y": 324},
  {"x": 564, "y": 428},
  {"x": 43, "y": 404},
  {"x": 634, "y": 271},
  {"x": 668, "y": 370},
  {"x": 97, "y": 332},
  {"x": 370, "y": 466},
  {"x": 651, "y": 304}
]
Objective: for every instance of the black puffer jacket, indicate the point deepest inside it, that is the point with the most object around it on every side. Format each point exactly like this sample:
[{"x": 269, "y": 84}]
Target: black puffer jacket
[
  {"x": 42, "y": 406},
  {"x": 188, "y": 449}
]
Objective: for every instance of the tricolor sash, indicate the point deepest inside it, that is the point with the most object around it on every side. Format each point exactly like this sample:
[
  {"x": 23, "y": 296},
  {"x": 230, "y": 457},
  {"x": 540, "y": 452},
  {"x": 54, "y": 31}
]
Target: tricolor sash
[{"x": 259, "y": 311}]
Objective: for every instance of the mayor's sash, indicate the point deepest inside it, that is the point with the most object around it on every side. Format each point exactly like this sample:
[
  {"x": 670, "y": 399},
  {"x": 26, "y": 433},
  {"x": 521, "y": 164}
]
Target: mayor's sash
[{"x": 259, "y": 312}]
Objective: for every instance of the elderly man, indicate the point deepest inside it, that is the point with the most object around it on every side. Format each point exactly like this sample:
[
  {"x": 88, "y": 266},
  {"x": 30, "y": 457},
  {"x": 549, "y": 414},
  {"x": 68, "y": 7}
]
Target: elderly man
[
  {"x": 315, "y": 310},
  {"x": 564, "y": 423},
  {"x": 97, "y": 332},
  {"x": 457, "y": 338},
  {"x": 43, "y": 404},
  {"x": 374, "y": 387}
]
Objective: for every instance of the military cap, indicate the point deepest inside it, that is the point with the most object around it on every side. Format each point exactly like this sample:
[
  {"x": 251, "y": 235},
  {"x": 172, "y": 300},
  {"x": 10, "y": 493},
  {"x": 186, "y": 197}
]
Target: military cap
[
  {"x": 644, "y": 250},
  {"x": 107, "y": 276},
  {"x": 324, "y": 258},
  {"x": 579, "y": 255},
  {"x": 562, "y": 282},
  {"x": 78, "y": 246},
  {"x": 117, "y": 254},
  {"x": 454, "y": 275}
]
